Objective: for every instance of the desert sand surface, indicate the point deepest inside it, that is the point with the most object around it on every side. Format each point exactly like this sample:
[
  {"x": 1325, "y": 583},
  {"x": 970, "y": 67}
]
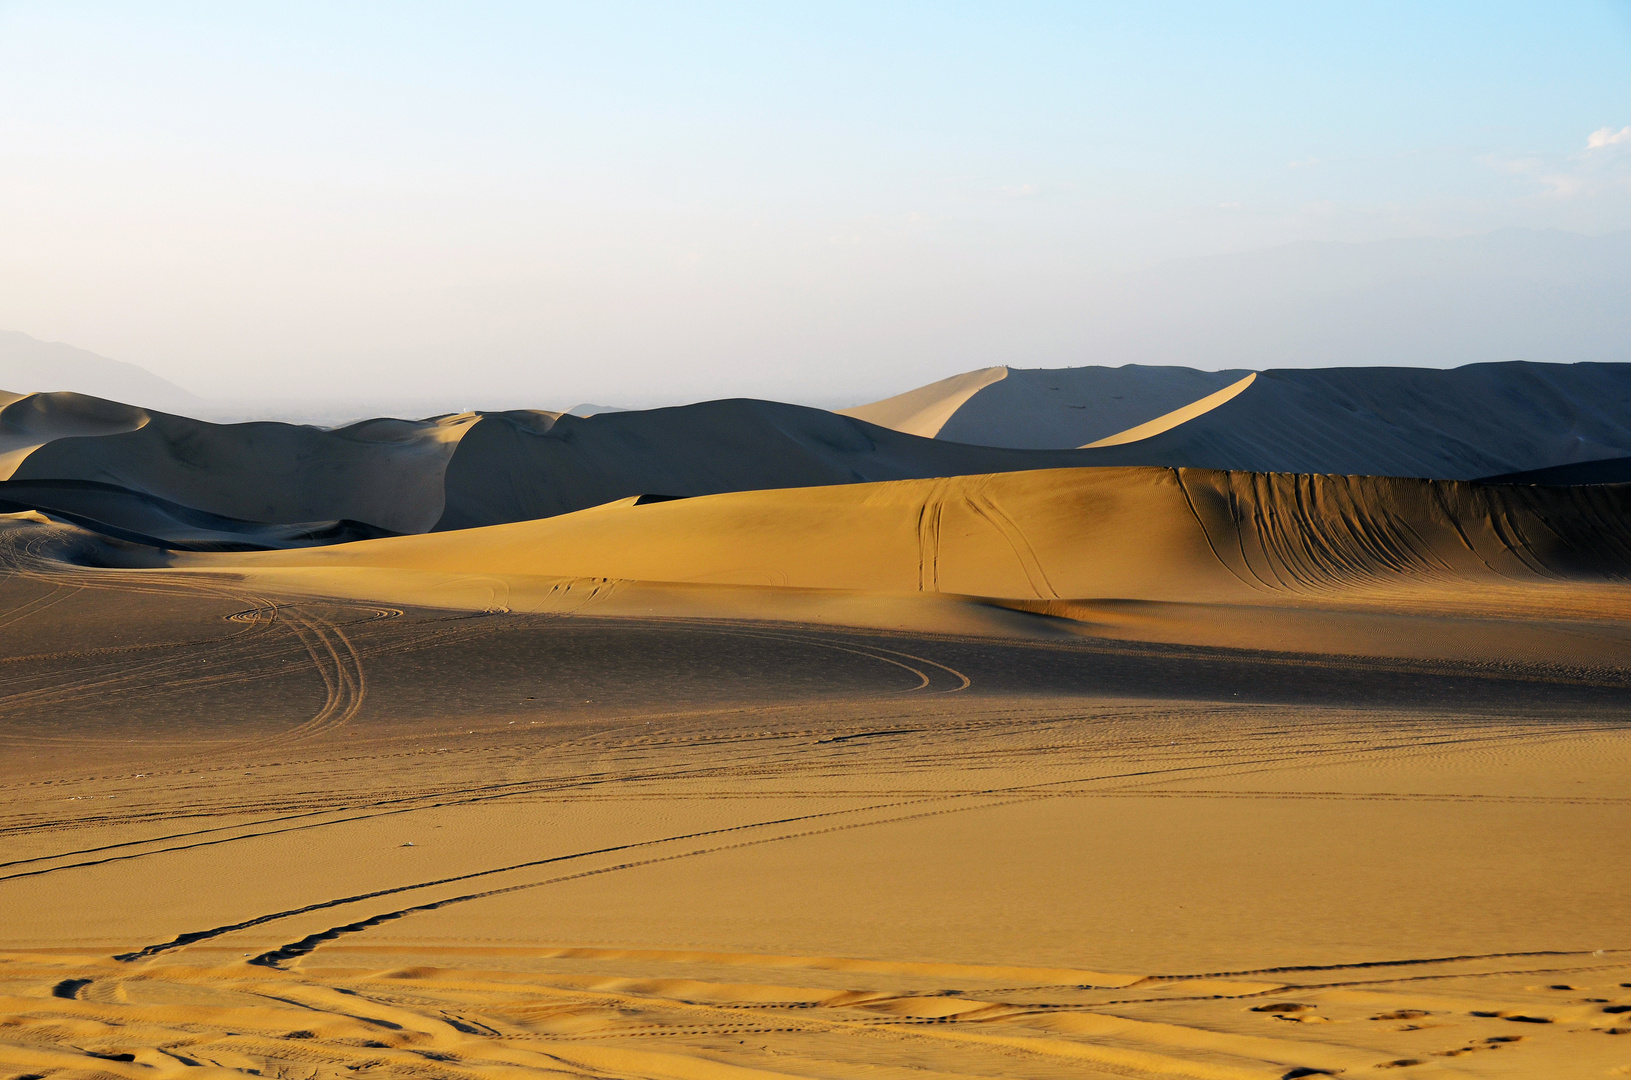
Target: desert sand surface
[{"x": 1014, "y": 772}]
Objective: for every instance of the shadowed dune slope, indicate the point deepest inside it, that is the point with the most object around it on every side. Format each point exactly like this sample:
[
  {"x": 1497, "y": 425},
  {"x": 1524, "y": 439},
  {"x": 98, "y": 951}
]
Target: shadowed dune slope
[
  {"x": 386, "y": 473},
  {"x": 1049, "y": 408},
  {"x": 1155, "y": 534},
  {"x": 517, "y": 466},
  {"x": 1601, "y": 471},
  {"x": 1480, "y": 420},
  {"x": 1459, "y": 424},
  {"x": 147, "y": 519},
  {"x": 30, "y": 421}
]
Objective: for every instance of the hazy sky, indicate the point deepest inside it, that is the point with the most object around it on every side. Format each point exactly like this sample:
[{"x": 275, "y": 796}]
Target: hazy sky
[{"x": 636, "y": 202}]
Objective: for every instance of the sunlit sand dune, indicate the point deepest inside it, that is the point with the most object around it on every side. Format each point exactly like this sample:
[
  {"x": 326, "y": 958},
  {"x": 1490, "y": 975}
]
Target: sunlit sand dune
[
  {"x": 1125, "y": 552},
  {"x": 1181, "y": 415},
  {"x": 1158, "y": 534}
]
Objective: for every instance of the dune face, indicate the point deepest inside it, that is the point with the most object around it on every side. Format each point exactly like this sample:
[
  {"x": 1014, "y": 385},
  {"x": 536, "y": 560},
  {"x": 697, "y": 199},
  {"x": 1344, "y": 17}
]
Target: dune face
[
  {"x": 29, "y": 421},
  {"x": 145, "y": 519},
  {"x": 924, "y": 411},
  {"x": 1182, "y": 415},
  {"x": 1068, "y": 407},
  {"x": 1458, "y": 424},
  {"x": 1138, "y": 534},
  {"x": 386, "y": 473},
  {"x": 520, "y": 466},
  {"x": 473, "y": 470},
  {"x": 1480, "y": 420}
]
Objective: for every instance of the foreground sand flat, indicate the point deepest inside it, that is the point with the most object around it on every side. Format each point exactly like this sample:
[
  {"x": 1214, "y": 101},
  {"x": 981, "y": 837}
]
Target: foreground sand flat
[{"x": 278, "y": 814}]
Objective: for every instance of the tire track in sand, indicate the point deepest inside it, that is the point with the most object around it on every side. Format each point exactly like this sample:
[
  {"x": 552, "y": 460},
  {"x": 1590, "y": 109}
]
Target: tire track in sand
[{"x": 331, "y": 652}]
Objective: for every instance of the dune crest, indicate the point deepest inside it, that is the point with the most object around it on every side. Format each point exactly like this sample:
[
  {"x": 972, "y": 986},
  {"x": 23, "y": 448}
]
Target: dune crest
[
  {"x": 30, "y": 421},
  {"x": 1053, "y": 408},
  {"x": 386, "y": 473},
  {"x": 924, "y": 411},
  {"x": 1177, "y": 416}
]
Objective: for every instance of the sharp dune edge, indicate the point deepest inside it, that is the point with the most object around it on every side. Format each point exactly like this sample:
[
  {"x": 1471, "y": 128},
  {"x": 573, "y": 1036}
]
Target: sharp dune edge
[
  {"x": 1168, "y": 421},
  {"x": 744, "y": 740},
  {"x": 924, "y": 411}
]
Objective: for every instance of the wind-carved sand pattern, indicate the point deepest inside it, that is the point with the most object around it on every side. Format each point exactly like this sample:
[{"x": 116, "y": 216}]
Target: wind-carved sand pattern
[
  {"x": 655, "y": 765},
  {"x": 586, "y": 1011}
]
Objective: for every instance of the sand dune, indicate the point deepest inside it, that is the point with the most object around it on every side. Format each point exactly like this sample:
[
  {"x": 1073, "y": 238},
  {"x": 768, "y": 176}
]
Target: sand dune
[
  {"x": 1481, "y": 420},
  {"x": 1153, "y": 534},
  {"x": 478, "y": 469},
  {"x": 464, "y": 470},
  {"x": 1045, "y": 408},
  {"x": 924, "y": 411},
  {"x": 1181, "y": 415},
  {"x": 386, "y": 473},
  {"x": 522, "y": 465},
  {"x": 1457, "y": 424},
  {"x": 30, "y": 421},
  {"x": 145, "y": 519}
]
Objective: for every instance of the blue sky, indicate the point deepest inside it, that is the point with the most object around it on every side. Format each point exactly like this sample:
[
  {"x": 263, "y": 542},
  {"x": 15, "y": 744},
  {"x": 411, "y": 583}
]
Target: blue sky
[{"x": 688, "y": 199}]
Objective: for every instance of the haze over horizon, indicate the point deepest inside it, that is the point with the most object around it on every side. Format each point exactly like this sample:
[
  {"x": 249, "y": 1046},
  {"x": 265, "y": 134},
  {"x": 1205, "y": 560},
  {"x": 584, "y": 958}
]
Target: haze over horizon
[{"x": 636, "y": 205}]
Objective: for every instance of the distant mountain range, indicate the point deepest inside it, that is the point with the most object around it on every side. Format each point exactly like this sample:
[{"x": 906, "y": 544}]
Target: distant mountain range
[{"x": 28, "y": 365}]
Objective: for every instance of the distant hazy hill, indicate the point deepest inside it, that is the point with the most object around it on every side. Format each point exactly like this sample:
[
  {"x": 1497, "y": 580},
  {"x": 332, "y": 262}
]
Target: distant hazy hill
[{"x": 28, "y": 365}]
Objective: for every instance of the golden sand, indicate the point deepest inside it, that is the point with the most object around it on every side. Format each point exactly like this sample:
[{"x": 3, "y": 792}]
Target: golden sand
[{"x": 1026, "y": 775}]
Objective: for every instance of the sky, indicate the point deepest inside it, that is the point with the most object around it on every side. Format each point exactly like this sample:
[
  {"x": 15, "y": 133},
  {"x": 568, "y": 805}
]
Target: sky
[{"x": 631, "y": 203}]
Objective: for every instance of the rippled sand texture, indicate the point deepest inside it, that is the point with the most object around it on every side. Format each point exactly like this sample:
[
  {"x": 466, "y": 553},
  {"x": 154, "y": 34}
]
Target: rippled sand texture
[{"x": 255, "y": 831}]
